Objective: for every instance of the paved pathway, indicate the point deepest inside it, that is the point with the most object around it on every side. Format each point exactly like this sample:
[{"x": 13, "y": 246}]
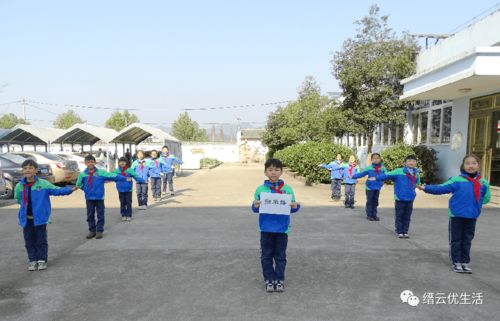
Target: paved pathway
[{"x": 196, "y": 257}]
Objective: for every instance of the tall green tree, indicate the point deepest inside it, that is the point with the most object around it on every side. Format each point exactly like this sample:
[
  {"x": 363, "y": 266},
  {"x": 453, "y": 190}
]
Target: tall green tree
[
  {"x": 301, "y": 120},
  {"x": 119, "y": 120},
  {"x": 67, "y": 119},
  {"x": 10, "y": 120},
  {"x": 186, "y": 129},
  {"x": 369, "y": 68}
]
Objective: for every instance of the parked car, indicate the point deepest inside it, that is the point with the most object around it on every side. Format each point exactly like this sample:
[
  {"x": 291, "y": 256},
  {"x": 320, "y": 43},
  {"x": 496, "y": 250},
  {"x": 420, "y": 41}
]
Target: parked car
[
  {"x": 10, "y": 165},
  {"x": 74, "y": 157},
  {"x": 99, "y": 156},
  {"x": 3, "y": 184},
  {"x": 65, "y": 171}
]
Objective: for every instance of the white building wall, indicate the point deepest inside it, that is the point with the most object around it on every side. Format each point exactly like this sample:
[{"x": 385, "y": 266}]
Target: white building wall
[{"x": 193, "y": 152}]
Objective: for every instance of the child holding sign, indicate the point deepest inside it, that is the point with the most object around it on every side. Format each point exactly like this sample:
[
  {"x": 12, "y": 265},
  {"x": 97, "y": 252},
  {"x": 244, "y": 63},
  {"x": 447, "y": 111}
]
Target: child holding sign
[{"x": 274, "y": 201}]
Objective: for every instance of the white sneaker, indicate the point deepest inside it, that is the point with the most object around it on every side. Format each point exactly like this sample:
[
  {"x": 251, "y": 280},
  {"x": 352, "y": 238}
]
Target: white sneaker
[
  {"x": 42, "y": 265},
  {"x": 401, "y": 236},
  {"x": 128, "y": 219},
  {"x": 466, "y": 268},
  {"x": 457, "y": 267},
  {"x": 124, "y": 219},
  {"x": 33, "y": 265}
]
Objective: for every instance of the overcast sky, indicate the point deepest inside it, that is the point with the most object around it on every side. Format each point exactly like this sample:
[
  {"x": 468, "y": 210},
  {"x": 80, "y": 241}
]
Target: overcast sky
[{"x": 162, "y": 56}]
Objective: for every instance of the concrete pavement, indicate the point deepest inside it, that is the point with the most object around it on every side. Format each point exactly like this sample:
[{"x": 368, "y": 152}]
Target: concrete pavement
[{"x": 195, "y": 256}]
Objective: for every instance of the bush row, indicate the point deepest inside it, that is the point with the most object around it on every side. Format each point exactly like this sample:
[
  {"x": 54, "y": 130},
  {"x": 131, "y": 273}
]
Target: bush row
[{"x": 305, "y": 158}]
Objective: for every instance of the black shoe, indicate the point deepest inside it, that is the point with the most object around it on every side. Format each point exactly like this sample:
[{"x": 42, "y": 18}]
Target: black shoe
[
  {"x": 98, "y": 235},
  {"x": 91, "y": 235},
  {"x": 376, "y": 218},
  {"x": 352, "y": 206},
  {"x": 347, "y": 206},
  {"x": 370, "y": 218}
]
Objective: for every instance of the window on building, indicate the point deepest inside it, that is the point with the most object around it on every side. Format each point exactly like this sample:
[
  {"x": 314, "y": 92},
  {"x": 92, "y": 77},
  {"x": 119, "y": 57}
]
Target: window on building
[
  {"x": 436, "y": 126},
  {"x": 393, "y": 129},
  {"x": 385, "y": 135},
  {"x": 424, "y": 118},
  {"x": 415, "y": 120},
  {"x": 446, "y": 133},
  {"x": 401, "y": 133}
]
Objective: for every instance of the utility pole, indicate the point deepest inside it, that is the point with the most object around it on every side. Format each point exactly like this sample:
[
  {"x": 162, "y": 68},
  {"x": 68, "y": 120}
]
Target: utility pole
[{"x": 23, "y": 103}]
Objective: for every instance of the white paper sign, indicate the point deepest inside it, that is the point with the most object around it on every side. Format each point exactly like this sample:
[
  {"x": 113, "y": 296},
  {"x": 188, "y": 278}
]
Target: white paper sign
[{"x": 275, "y": 203}]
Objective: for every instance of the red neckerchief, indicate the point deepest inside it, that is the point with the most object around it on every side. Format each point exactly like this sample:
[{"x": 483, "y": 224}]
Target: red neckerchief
[
  {"x": 25, "y": 194},
  {"x": 278, "y": 190},
  {"x": 413, "y": 177},
  {"x": 377, "y": 168},
  {"x": 91, "y": 175},
  {"x": 477, "y": 185},
  {"x": 141, "y": 165},
  {"x": 351, "y": 167},
  {"x": 156, "y": 162},
  {"x": 123, "y": 171}
]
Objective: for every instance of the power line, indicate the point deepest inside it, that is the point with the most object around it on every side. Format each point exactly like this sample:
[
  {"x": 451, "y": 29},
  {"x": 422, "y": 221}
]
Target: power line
[
  {"x": 43, "y": 109},
  {"x": 78, "y": 106},
  {"x": 239, "y": 106},
  {"x": 469, "y": 22},
  {"x": 10, "y": 103}
]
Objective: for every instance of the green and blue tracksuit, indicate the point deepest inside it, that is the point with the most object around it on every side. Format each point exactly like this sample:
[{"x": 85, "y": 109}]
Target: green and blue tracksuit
[
  {"x": 125, "y": 189},
  {"x": 156, "y": 168},
  {"x": 40, "y": 200},
  {"x": 469, "y": 193},
  {"x": 336, "y": 169},
  {"x": 405, "y": 181},
  {"x": 34, "y": 214},
  {"x": 141, "y": 167},
  {"x": 350, "y": 183},
  {"x": 168, "y": 178},
  {"x": 92, "y": 183},
  {"x": 169, "y": 161},
  {"x": 372, "y": 187},
  {"x": 274, "y": 233}
]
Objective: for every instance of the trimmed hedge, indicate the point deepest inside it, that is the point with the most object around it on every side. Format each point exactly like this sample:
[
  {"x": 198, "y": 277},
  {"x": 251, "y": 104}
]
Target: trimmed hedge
[
  {"x": 394, "y": 156},
  {"x": 305, "y": 158}
]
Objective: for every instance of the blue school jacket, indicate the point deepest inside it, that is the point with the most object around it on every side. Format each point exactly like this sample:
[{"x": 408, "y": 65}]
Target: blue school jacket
[
  {"x": 348, "y": 173},
  {"x": 371, "y": 171},
  {"x": 127, "y": 186},
  {"x": 96, "y": 191},
  {"x": 336, "y": 169},
  {"x": 463, "y": 202},
  {"x": 40, "y": 200},
  {"x": 141, "y": 172},
  {"x": 169, "y": 161},
  {"x": 404, "y": 186}
]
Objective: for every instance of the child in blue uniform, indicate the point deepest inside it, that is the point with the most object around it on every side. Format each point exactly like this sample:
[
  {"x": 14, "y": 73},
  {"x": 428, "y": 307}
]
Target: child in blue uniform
[
  {"x": 141, "y": 167},
  {"x": 125, "y": 187},
  {"x": 372, "y": 186},
  {"x": 336, "y": 169},
  {"x": 351, "y": 169},
  {"x": 274, "y": 228},
  {"x": 469, "y": 193},
  {"x": 406, "y": 179}
]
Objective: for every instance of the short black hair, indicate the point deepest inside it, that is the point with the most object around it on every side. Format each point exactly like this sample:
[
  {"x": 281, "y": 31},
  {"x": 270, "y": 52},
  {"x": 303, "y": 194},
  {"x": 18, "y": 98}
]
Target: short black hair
[
  {"x": 371, "y": 157},
  {"x": 124, "y": 159},
  {"x": 165, "y": 146},
  {"x": 89, "y": 157},
  {"x": 414, "y": 157},
  {"x": 29, "y": 162},
  {"x": 273, "y": 162}
]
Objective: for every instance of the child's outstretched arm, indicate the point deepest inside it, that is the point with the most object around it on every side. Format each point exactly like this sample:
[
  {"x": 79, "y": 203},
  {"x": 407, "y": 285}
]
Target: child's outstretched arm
[
  {"x": 386, "y": 176},
  {"x": 137, "y": 178},
  {"x": 445, "y": 188},
  {"x": 487, "y": 195},
  {"x": 112, "y": 176},
  {"x": 295, "y": 207},
  {"x": 360, "y": 174},
  {"x": 17, "y": 191},
  {"x": 59, "y": 191}
]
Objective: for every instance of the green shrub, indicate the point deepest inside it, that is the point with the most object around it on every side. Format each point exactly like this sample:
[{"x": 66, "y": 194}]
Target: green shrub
[
  {"x": 305, "y": 158},
  {"x": 394, "y": 156},
  {"x": 209, "y": 162}
]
